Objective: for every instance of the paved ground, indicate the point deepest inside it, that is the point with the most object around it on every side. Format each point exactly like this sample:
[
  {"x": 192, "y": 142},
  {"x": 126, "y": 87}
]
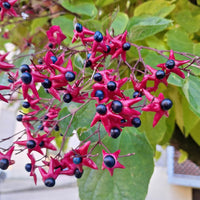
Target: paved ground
[{"x": 23, "y": 189}]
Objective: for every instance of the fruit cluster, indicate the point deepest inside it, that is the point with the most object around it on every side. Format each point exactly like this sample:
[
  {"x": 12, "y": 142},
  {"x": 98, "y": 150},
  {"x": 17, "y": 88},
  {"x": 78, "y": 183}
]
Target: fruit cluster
[{"x": 114, "y": 110}]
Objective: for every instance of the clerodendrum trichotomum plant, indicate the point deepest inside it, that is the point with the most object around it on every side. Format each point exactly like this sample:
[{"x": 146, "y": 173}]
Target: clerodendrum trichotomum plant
[{"x": 82, "y": 89}]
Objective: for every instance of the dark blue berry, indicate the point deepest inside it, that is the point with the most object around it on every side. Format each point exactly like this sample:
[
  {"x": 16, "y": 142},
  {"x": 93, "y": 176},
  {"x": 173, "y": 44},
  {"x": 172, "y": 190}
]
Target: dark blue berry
[
  {"x": 26, "y": 104},
  {"x": 101, "y": 109},
  {"x": 26, "y": 78},
  {"x": 67, "y": 98},
  {"x": 70, "y": 76},
  {"x": 97, "y": 77},
  {"x": 77, "y": 160},
  {"x": 109, "y": 161},
  {"x": 99, "y": 94},
  {"x": 111, "y": 85},
  {"x": 56, "y": 128},
  {"x": 19, "y": 117},
  {"x": 88, "y": 56},
  {"x": 170, "y": 64},
  {"x": 122, "y": 121},
  {"x": 117, "y": 106},
  {"x": 160, "y": 74},
  {"x": 47, "y": 83},
  {"x": 50, "y": 182},
  {"x": 136, "y": 122},
  {"x": 78, "y": 27},
  {"x": 88, "y": 63},
  {"x": 4, "y": 163},
  {"x": 30, "y": 144},
  {"x": 50, "y": 45},
  {"x": 115, "y": 132},
  {"x": 40, "y": 61},
  {"x": 77, "y": 173},
  {"x": 136, "y": 94},
  {"x": 6, "y": 5},
  {"x": 28, "y": 167},
  {"x": 46, "y": 117},
  {"x": 10, "y": 80},
  {"x": 25, "y": 68},
  {"x": 98, "y": 36},
  {"x": 126, "y": 46},
  {"x": 166, "y": 104},
  {"x": 40, "y": 127},
  {"x": 53, "y": 59},
  {"x": 41, "y": 144},
  {"x": 108, "y": 49}
]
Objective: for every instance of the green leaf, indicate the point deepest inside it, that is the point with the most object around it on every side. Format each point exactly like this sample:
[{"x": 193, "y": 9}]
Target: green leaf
[
  {"x": 183, "y": 157},
  {"x": 80, "y": 7},
  {"x": 175, "y": 80},
  {"x": 103, "y": 3},
  {"x": 59, "y": 139},
  {"x": 178, "y": 40},
  {"x": 143, "y": 27},
  {"x": 191, "y": 90},
  {"x": 195, "y": 133},
  {"x": 188, "y": 22},
  {"x": 25, "y": 59},
  {"x": 85, "y": 115},
  {"x": 120, "y": 23},
  {"x": 185, "y": 118},
  {"x": 37, "y": 24},
  {"x": 153, "y": 59},
  {"x": 170, "y": 123},
  {"x": 160, "y": 8},
  {"x": 156, "y": 134},
  {"x": 65, "y": 24},
  {"x": 65, "y": 122},
  {"x": 84, "y": 133},
  {"x": 129, "y": 183}
]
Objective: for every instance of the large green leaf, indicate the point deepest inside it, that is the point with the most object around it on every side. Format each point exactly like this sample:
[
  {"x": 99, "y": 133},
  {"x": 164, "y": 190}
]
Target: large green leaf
[
  {"x": 65, "y": 24},
  {"x": 142, "y": 27},
  {"x": 80, "y": 7},
  {"x": 156, "y": 134},
  {"x": 160, "y": 8},
  {"x": 195, "y": 133},
  {"x": 120, "y": 23},
  {"x": 191, "y": 90},
  {"x": 63, "y": 124},
  {"x": 185, "y": 117},
  {"x": 179, "y": 40},
  {"x": 187, "y": 21},
  {"x": 130, "y": 183}
]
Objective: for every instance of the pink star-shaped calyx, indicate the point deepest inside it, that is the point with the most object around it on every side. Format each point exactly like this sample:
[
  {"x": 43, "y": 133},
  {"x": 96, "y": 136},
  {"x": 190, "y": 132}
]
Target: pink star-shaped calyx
[
  {"x": 6, "y": 159},
  {"x": 4, "y": 66},
  {"x": 122, "y": 46},
  {"x": 77, "y": 158},
  {"x": 7, "y": 7},
  {"x": 158, "y": 76},
  {"x": 80, "y": 32},
  {"x": 36, "y": 143},
  {"x": 110, "y": 161},
  {"x": 172, "y": 65},
  {"x": 33, "y": 167},
  {"x": 108, "y": 119},
  {"x": 52, "y": 172},
  {"x": 157, "y": 105},
  {"x": 55, "y": 35}
]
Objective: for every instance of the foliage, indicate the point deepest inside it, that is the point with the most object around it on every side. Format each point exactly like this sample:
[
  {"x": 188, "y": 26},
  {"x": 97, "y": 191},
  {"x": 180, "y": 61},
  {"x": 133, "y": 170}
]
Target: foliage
[{"x": 159, "y": 24}]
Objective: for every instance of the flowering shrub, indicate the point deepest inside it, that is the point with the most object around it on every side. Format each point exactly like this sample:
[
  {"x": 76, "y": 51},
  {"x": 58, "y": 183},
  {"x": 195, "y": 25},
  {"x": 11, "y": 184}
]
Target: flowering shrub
[{"x": 91, "y": 87}]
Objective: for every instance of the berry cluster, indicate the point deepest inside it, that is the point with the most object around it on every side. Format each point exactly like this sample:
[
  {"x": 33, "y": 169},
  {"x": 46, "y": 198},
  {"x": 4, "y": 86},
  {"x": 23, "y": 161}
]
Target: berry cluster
[{"x": 64, "y": 84}]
